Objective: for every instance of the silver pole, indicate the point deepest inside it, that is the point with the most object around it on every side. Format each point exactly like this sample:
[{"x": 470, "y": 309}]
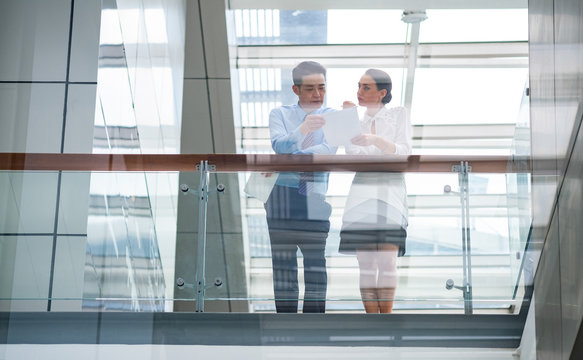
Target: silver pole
[
  {"x": 468, "y": 240},
  {"x": 200, "y": 255},
  {"x": 412, "y": 64},
  {"x": 466, "y": 244},
  {"x": 413, "y": 18}
]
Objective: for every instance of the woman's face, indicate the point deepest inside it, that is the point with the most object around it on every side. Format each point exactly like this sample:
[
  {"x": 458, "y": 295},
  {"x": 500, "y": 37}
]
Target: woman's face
[{"x": 368, "y": 94}]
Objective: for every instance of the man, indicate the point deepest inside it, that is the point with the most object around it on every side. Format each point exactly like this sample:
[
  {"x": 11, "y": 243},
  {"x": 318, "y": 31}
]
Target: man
[{"x": 297, "y": 213}]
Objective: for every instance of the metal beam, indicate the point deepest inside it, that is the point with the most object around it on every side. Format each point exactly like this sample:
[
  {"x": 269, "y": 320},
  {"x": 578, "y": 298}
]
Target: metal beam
[
  {"x": 427, "y": 132},
  {"x": 486, "y": 54}
]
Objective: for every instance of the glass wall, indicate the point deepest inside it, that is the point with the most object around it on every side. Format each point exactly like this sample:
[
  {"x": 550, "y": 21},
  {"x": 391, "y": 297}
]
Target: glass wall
[{"x": 471, "y": 80}]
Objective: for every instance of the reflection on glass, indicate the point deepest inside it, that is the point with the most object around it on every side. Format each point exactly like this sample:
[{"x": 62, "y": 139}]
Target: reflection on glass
[
  {"x": 123, "y": 265},
  {"x": 132, "y": 223}
]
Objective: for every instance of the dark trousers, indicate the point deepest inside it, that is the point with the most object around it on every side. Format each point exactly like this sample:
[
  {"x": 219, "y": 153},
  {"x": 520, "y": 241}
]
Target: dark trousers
[{"x": 294, "y": 221}]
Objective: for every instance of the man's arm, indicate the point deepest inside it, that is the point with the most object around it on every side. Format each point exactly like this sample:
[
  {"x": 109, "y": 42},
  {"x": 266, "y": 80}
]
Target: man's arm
[
  {"x": 282, "y": 141},
  {"x": 317, "y": 122},
  {"x": 313, "y": 123},
  {"x": 323, "y": 148},
  {"x": 285, "y": 142}
]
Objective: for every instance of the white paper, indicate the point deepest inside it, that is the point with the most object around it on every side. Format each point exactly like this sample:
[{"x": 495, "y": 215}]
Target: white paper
[
  {"x": 341, "y": 126},
  {"x": 260, "y": 185}
]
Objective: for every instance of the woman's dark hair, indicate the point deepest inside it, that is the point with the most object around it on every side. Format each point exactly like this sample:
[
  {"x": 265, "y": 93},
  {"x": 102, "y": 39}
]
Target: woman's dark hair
[
  {"x": 383, "y": 81},
  {"x": 306, "y": 68}
]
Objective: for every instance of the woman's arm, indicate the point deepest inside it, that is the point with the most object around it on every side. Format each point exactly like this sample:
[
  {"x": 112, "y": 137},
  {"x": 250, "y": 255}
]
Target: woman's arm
[
  {"x": 401, "y": 139},
  {"x": 382, "y": 144},
  {"x": 404, "y": 133}
]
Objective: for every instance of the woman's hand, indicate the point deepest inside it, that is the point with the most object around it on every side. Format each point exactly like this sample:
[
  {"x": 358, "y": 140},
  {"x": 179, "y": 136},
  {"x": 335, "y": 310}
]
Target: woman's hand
[
  {"x": 385, "y": 146},
  {"x": 364, "y": 140},
  {"x": 348, "y": 105}
]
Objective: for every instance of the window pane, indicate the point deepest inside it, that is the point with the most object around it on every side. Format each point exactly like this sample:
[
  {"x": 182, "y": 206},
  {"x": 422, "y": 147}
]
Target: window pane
[
  {"x": 475, "y": 25},
  {"x": 365, "y": 26},
  {"x": 267, "y": 27},
  {"x": 467, "y": 95}
]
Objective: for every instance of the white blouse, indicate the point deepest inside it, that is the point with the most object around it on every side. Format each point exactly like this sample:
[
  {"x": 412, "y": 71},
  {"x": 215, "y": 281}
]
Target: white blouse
[
  {"x": 392, "y": 124},
  {"x": 367, "y": 189}
]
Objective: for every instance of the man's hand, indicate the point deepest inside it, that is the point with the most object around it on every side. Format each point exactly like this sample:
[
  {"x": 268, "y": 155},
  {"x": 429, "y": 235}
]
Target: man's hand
[
  {"x": 364, "y": 140},
  {"x": 348, "y": 105},
  {"x": 312, "y": 123}
]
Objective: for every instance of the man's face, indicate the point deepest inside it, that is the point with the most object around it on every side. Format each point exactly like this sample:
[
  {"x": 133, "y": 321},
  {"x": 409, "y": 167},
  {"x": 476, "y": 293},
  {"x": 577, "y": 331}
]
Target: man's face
[{"x": 311, "y": 92}]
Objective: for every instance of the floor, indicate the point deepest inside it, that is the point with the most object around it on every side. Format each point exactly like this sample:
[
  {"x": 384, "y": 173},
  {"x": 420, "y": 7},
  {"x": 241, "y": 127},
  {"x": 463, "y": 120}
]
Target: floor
[{"x": 167, "y": 352}]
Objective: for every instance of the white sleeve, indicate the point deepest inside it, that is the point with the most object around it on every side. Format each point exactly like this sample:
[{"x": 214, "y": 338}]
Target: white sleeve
[
  {"x": 403, "y": 136},
  {"x": 282, "y": 141}
]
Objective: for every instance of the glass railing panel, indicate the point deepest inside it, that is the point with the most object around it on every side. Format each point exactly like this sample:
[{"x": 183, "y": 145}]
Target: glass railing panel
[
  {"x": 27, "y": 211},
  {"x": 433, "y": 244},
  {"x": 179, "y": 211},
  {"x": 434, "y": 240},
  {"x": 225, "y": 287},
  {"x": 89, "y": 241},
  {"x": 519, "y": 199},
  {"x": 122, "y": 243},
  {"x": 490, "y": 237},
  {"x": 519, "y": 228}
]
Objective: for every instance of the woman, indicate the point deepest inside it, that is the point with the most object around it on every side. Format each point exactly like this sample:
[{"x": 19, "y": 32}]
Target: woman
[{"x": 375, "y": 216}]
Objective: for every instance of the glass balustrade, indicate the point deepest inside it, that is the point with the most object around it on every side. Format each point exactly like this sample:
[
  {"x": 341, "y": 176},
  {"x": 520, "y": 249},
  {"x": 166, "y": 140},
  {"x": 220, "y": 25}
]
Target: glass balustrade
[
  {"x": 169, "y": 241},
  {"x": 462, "y": 253}
]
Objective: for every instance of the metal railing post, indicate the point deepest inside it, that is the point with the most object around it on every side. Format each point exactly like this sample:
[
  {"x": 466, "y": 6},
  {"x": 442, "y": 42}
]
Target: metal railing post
[
  {"x": 200, "y": 255},
  {"x": 463, "y": 175}
]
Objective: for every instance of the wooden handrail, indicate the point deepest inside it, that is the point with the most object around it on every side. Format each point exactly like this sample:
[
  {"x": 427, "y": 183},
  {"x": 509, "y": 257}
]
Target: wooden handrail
[{"x": 256, "y": 162}]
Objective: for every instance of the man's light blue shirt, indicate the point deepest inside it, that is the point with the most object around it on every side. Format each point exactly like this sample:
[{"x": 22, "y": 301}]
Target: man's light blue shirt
[{"x": 287, "y": 138}]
